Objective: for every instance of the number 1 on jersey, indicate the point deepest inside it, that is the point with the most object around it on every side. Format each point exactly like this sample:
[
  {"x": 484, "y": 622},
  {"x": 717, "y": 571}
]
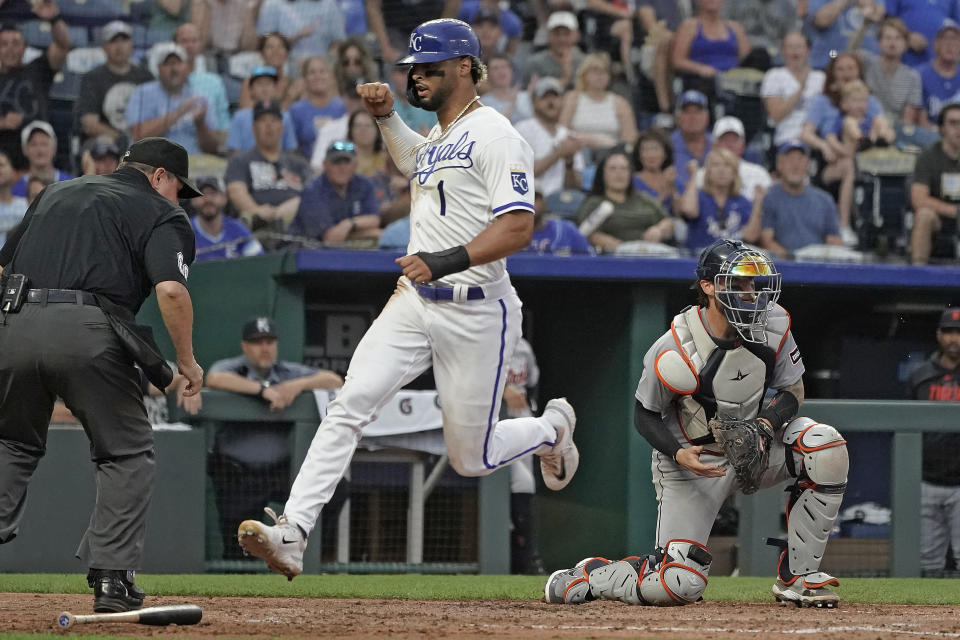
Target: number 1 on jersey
[{"x": 443, "y": 199}]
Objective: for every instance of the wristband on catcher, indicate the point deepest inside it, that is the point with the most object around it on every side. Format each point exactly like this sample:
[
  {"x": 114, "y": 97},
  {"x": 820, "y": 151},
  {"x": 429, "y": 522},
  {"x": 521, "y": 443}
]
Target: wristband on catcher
[
  {"x": 443, "y": 263},
  {"x": 783, "y": 408}
]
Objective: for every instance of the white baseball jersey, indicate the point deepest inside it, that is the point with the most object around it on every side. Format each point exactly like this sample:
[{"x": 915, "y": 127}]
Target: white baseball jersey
[{"x": 478, "y": 170}]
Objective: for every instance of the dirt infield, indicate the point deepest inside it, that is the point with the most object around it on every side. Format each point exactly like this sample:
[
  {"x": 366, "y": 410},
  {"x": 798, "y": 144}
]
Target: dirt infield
[{"x": 355, "y": 619}]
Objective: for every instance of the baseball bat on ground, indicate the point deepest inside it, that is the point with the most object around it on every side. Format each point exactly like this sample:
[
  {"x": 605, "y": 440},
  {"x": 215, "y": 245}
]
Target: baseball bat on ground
[{"x": 158, "y": 616}]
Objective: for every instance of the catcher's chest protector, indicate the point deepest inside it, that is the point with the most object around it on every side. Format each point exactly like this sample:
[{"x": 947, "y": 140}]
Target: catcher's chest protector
[{"x": 731, "y": 381}]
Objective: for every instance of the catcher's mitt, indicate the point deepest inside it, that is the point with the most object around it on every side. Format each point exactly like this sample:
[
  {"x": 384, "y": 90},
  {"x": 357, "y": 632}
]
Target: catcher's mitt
[{"x": 746, "y": 444}]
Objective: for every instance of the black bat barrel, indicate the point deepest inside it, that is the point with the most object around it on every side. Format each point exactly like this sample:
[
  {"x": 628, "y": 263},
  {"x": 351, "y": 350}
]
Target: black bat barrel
[{"x": 177, "y": 614}]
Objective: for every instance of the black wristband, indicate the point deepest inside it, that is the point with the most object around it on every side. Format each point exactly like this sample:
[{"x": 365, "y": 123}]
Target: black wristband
[
  {"x": 443, "y": 263},
  {"x": 781, "y": 409}
]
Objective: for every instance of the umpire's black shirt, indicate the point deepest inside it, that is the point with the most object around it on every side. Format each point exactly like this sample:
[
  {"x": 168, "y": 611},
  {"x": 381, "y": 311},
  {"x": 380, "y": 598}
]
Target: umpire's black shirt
[{"x": 112, "y": 235}]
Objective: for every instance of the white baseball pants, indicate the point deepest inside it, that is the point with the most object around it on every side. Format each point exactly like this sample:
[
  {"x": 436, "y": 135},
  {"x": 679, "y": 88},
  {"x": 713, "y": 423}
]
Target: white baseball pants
[{"x": 468, "y": 344}]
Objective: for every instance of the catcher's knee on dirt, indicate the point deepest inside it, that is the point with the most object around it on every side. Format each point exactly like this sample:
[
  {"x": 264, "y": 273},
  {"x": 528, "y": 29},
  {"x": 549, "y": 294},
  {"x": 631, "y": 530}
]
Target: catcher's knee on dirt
[
  {"x": 677, "y": 577},
  {"x": 820, "y": 464}
]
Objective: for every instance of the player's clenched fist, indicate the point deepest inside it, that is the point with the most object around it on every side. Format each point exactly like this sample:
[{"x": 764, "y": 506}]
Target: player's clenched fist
[
  {"x": 415, "y": 268},
  {"x": 377, "y": 97}
]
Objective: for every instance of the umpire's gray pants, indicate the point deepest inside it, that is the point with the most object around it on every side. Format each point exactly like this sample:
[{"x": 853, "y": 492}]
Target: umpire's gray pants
[{"x": 70, "y": 351}]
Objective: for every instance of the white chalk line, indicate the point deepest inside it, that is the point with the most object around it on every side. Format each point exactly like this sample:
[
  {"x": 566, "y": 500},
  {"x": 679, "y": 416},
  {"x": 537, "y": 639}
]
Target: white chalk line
[{"x": 810, "y": 631}]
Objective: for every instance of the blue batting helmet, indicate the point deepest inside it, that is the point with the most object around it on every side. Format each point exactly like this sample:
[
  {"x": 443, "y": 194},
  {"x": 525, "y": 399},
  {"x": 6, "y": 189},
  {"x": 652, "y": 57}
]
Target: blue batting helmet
[{"x": 442, "y": 39}]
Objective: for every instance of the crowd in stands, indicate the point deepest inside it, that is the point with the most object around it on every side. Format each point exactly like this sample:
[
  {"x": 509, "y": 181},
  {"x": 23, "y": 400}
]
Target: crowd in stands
[{"x": 657, "y": 125}]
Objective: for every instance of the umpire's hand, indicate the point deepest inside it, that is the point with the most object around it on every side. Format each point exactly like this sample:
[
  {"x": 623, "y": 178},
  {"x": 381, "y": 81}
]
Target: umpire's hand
[
  {"x": 377, "y": 97},
  {"x": 193, "y": 372}
]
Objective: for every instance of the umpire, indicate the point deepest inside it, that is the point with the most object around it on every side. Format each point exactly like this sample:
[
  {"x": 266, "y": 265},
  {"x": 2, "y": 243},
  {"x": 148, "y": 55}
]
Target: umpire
[{"x": 90, "y": 250}]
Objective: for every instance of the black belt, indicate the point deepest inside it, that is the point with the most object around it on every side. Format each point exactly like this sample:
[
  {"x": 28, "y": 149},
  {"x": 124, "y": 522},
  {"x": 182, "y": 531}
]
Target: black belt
[
  {"x": 64, "y": 296},
  {"x": 433, "y": 292}
]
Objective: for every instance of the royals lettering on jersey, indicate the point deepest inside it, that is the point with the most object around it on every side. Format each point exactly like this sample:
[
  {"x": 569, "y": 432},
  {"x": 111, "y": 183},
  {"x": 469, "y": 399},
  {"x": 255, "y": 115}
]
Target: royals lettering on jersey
[{"x": 479, "y": 169}]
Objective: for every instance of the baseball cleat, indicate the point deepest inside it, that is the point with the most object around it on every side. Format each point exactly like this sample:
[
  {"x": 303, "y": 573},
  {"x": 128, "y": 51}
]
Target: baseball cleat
[
  {"x": 808, "y": 591},
  {"x": 561, "y": 463},
  {"x": 280, "y": 545},
  {"x": 572, "y": 586}
]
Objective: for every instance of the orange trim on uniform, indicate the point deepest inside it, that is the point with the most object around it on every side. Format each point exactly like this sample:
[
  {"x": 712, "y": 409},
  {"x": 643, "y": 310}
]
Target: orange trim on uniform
[
  {"x": 663, "y": 583},
  {"x": 832, "y": 581},
  {"x": 577, "y": 581},
  {"x": 656, "y": 369},
  {"x": 785, "y": 333},
  {"x": 783, "y": 554},
  {"x": 799, "y": 441},
  {"x": 683, "y": 354}
]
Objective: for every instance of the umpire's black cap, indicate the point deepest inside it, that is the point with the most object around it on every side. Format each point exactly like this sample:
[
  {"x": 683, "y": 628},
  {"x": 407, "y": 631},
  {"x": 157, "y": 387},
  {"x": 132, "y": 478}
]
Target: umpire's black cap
[{"x": 163, "y": 153}]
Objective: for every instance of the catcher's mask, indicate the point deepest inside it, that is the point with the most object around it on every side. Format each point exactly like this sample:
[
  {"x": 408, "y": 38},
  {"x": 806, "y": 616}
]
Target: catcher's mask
[
  {"x": 746, "y": 285},
  {"x": 438, "y": 40}
]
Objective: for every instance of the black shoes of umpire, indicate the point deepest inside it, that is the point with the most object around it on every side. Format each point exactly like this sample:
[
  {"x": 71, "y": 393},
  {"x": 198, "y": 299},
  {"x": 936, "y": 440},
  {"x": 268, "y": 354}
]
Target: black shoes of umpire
[{"x": 114, "y": 591}]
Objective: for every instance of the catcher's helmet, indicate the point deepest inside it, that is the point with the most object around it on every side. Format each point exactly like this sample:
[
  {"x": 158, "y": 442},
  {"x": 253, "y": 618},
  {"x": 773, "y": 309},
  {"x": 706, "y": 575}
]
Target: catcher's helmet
[
  {"x": 745, "y": 308},
  {"x": 442, "y": 39}
]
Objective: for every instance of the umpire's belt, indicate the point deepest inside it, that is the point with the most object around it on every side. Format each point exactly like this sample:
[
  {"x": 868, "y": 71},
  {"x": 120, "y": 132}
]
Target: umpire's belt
[{"x": 65, "y": 296}]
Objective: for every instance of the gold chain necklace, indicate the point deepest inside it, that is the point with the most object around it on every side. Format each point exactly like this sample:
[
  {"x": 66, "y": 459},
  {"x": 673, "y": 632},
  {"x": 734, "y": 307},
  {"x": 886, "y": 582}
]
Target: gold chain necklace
[{"x": 444, "y": 131}]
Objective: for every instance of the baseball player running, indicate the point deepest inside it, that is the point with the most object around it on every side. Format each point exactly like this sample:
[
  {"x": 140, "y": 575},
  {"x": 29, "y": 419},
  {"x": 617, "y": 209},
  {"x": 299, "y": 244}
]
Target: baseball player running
[
  {"x": 454, "y": 307},
  {"x": 699, "y": 406}
]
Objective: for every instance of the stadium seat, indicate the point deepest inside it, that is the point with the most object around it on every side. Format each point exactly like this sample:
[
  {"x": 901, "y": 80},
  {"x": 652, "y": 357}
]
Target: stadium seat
[
  {"x": 79, "y": 36},
  {"x": 36, "y": 33},
  {"x": 83, "y": 59},
  {"x": 241, "y": 64},
  {"x": 233, "y": 87},
  {"x": 90, "y": 12},
  {"x": 66, "y": 86}
]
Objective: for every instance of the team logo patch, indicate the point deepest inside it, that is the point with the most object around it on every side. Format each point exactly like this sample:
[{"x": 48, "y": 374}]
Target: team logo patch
[
  {"x": 519, "y": 181},
  {"x": 795, "y": 355},
  {"x": 182, "y": 266}
]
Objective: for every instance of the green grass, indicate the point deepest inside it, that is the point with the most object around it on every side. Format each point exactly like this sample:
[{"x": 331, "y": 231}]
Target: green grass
[{"x": 466, "y": 587}]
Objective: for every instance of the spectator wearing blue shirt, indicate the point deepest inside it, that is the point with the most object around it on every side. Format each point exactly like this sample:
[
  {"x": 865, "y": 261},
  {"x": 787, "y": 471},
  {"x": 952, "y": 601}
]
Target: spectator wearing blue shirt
[
  {"x": 554, "y": 236},
  {"x": 340, "y": 204},
  {"x": 796, "y": 214},
  {"x": 203, "y": 82},
  {"x": 690, "y": 139},
  {"x": 940, "y": 77},
  {"x": 218, "y": 236},
  {"x": 319, "y": 106},
  {"x": 718, "y": 210},
  {"x": 170, "y": 108},
  {"x": 263, "y": 88},
  {"x": 831, "y": 23},
  {"x": 420, "y": 120},
  {"x": 923, "y": 19}
]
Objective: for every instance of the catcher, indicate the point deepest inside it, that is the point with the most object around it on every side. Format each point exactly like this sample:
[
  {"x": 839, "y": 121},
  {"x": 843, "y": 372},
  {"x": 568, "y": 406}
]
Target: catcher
[{"x": 699, "y": 405}]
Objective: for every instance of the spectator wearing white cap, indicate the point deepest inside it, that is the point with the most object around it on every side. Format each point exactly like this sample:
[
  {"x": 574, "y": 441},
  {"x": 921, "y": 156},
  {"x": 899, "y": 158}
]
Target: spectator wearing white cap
[
  {"x": 106, "y": 89},
  {"x": 561, "y": 58},
  {"x": 728, "y": 133},
  {"x": 557, "y": 161},
  {"x": 169, "y": 107},
  {"x": 39, "y": 147}
]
